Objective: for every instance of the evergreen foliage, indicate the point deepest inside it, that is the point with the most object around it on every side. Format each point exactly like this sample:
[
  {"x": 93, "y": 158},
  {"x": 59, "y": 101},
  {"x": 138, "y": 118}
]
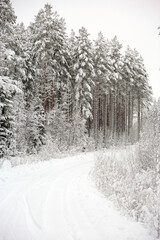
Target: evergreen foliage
[
  {"x": 84, "y": 73},
  {"x": 71, "y": 88},
  {"x": 8, "y": 89}
]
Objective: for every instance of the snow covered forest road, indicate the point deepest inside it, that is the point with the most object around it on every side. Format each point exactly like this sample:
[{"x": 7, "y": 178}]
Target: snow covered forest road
[{"x": 56, "y": 200}]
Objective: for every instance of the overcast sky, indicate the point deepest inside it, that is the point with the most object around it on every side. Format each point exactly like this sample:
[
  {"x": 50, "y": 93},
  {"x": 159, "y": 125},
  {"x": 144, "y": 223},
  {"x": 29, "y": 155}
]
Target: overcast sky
[{"x": 134, "y": 22}]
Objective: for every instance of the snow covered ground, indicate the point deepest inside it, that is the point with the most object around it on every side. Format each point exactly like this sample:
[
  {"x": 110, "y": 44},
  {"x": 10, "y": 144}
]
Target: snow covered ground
[{"x": 56, "y": 200}]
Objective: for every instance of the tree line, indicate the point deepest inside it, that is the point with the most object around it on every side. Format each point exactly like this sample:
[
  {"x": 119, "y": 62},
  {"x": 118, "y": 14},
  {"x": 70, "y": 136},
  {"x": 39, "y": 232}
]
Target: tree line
[{"x": 70, "y": 87}]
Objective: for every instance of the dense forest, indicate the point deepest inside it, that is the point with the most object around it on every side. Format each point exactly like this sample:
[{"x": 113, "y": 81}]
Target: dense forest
[
  {"x": 62, "y": 93},
  {"x": 71, "y": 90}
]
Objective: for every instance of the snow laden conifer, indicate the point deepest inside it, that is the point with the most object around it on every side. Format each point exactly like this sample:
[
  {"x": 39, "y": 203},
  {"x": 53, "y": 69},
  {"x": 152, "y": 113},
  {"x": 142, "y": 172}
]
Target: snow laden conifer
[
  {"x": 51, "y": 73},
  {"x": 8, "y": 89},
  {"x": 84, "y": 73},
  {"x": 115, "y": 88},
  {"x": 9, "y": 85},
  {"x": 143, "y": 91},
  {"x": 102, "y": 65},
  {"x": 137, "y": 92},
  {"x": 71, "y": 41},
  {"x": 129, "y": 83},
  {"x": 8, "y": 17},
  {"x": 49, "y": 56},
  {"x": 35, "y": 126}
]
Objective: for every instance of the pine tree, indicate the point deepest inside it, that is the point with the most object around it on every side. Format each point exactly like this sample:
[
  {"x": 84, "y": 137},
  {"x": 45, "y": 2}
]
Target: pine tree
[
  {"x": 142, "y": 88},
  {"x": 35, "y": 126},
  {"x": 8, "y": 89},
  {"x": 9, "y": 85},
  {"x": 115, "y": 86},
  {"x": 138, "y": 91},
  {"x": 129, "y": 87},
  {"x": 84, "y": 73},
  {"x": 50, "y": 56},
  {"x": 8, "y": 17},
  {"x": 103, "y": 68},
  {"x": 71, "y": 90}
]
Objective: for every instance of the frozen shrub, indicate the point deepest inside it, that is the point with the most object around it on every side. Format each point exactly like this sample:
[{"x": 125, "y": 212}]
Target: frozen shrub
[{"x": 118, "y": 174}]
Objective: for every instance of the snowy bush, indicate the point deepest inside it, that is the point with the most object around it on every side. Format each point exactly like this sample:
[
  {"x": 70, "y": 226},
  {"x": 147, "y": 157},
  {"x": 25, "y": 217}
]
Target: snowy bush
[
  {"x": 149, "y": 147},
  {"x": 118, "y": 174},
  {"x": 67, "y": 134}
]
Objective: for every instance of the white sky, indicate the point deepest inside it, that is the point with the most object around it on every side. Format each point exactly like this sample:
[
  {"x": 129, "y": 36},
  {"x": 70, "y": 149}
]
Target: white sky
[{"x": 134, "y": 22}]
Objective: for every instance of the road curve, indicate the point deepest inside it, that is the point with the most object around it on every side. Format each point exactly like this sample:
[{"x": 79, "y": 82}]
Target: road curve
[{"x": 57, "y": 200}]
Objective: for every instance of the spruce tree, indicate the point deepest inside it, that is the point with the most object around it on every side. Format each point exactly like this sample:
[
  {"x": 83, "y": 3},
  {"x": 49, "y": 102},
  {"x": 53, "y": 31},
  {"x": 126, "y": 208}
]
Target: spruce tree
[
  {"x": 115, "y": 85},
  {"x": 84, "y": 73},
  {"x": 49, "y": 56},
  {"x": 35, "y": 126},
  {"x": 9, "y": 85},
  {"x": 8, "y": 89},
  {"x": 103, "y": 68}
]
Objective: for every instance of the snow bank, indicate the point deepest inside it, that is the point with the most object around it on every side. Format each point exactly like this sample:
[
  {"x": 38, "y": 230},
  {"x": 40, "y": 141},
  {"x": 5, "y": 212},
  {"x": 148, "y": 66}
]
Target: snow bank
[{"x": 118, "y": 175}]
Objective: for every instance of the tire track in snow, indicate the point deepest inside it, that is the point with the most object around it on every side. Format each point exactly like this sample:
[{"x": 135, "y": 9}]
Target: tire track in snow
[{"x": 59, "y": 202}]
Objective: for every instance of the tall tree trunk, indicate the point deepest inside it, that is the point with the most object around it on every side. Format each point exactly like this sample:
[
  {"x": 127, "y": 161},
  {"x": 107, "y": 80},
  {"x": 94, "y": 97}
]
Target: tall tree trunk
[
  {"x": 123, "y": 107},
  {"x": 139, "y": 116},
  {"x": 99, "y": 114},
  {"x": 95, "y": 114},
  {"x": 115, "y": 112},
  {"x": 52, "y": 96},
  {"x": 59, "y": 96},
  {"x": 44, "y": 88},
  {"x": 141, "y": 125},
  {"x": 111, "y": 116},
  {"x": 89, "y": 127},
  {"x": 132, "y": 111},
  {"x": 104, "y": 117},
  {"x": 126, "y": 113},
  {"x": 129, "y": 113},
  {"x": 118, "y": 114}
]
